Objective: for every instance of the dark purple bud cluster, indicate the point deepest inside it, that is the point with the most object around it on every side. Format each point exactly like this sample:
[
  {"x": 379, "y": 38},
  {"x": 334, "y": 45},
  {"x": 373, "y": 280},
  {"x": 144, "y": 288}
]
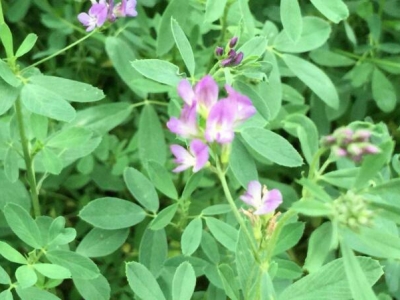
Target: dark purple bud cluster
[
  {"x": 232, "y": 58},
  {"x": 345, "y": 142}
]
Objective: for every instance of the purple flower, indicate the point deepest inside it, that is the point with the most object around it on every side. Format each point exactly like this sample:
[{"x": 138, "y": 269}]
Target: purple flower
[
  {"x": 96, "y": 16},
  {"x": 244, "y": 106},
  {"x": 125, "y": 8},
  {"x": 185, "y": 91},
  {"x": 186, "y": 125},
  {"x": 220, "y": 122},
  {"x": 219, "y": 51},
  {"x": 196, "y": 157},
  {"x": 261, "y": 199},
  {"x": 206, "y": 94},
  {"x": 238, "y": 59}
]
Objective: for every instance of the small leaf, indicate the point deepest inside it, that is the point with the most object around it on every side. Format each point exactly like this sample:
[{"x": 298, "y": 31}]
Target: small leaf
[
  {"x": 10, "y": 162},
  {"x": 184, "y": 282},
  {"x": 46, "y": 103},
  {"x": 223, "y": 233},
  {"x": 142, "y": 282},
  {"x": 228, "y": 278},
  {"x": 191, "y": 237},
  {"x": 162, "y": 179},
  {"x": 52, "y": 271},
  {"x": 22, "y": 224},
  {"x": 26, "y": 276},
  {"x": 93, "y": 289},
  {"x": 69, "y": 138},
  {"x": 334, "y": 10},
  {"x": 8, "y": 96},
  {"x": 142, "y": 189},
  {"x": 80, "y": 266},
  {"x": 383, "y": 91},
  {"x": 314, "y": 78},
  {"x": 291, "y": 19},
  {"x": 214, "y": 10},
  {"x": 242, "y": 163},
  {"x": 33, "y": 293},
  {"x": 184, "y": 47},
  {"x": 112, "y": 213},
  {"x": 164, "y": 217},
  {"x": 4, "y": 277},
  {"x": 27, "y": 45},
  {"x": 272, "y": 146},
  {"x": 11, "y": 254},
  {"x": 153, "y": 250},
  {"x": 158, "y": 70},
  {"x": 51, "y": 162}
]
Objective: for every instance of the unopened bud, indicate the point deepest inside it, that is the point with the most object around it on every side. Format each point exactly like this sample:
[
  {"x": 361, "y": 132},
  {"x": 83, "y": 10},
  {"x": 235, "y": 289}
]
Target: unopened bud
[
  {"x": 340, "y": 152},
  {"x": 226, "y": 62},
  {"x": 233, "y": 42},
  {"x": 238, "y": 59},
  {"x": 219, "y": 51},
  {"x": 371, "y": 149},
  {"x": 362, "y": 135},
  {"x": 232, "y": 53}
]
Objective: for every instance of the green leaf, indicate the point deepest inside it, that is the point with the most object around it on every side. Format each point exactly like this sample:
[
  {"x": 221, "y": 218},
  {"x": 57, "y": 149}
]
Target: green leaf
[
  {"x": 216, "y": 209},
  {"x": 102, "y": 118},
  {"x": 69, "y": 137},
  {"x": 4, "y": 277},
  {"x": 319, "y": 245},
  {"x": 10, "y": 162},
  {"x": 328, "y": 58},
  {"x": 93, "y": 289},
  {"x": 142, "y": 189},
  {"x": 228, "y": 278},
  {"x": 80, "y": 266},
  {"x": 311, "y": 207},
  {"x": 184, "y": 282},
  {"x": 254, "y": 47},
  {"x": 214, "y": 10},
  {"x": 11, "y": 254},
  {"x": 25, "y": 276},
  {"x": 112, "y": 213},
  {"x": 291, "y": 19},
  {"x": 191, "y": 237},
  {"x": 260, "y": 103},
  {"x": 158, "y": 70},
  {"x": 27, "y": 45},
  {"x": 34, "y": 293},
  {"x": 223, "y": 233},
  {"x": 191, "y": 184},
  {"x": 8, "y": 75},
  {"x": 8, "y": 96},
  {"x": 153, "y": 148},
  {"x": 330, "y": 282},
  {"x": 314, "y": 78},
  {"x": 52, "y": 271},
  {"x": 51, "y": 162},
  {"x": 153, "y": 250},
  {"x": 358, "y": 282},
  {"x": 210, "y": 247},
  {"x": 22, "y": 224},
  {"x": 68, "y": 89},
  {"x": 162, "y": 179},
  {"x": 100, "y": 242},
  {"x": 46, "y": 103},
  {"x": 142, "y": 282},
  {"x": 242, "y": 163},
  {"x": 334, "y": 10},
  {"x": 383, "y": 91},
  {"x": 177, "y": 9},
  {"x": 13, "y": 192},
  {"x": 272, "y": 146},
  {"x": 287, "y": 269},
  {"x": 6, "y": 38},
  {"x": 289, "y": 237},
  {"x": 184, "y": 47},
  {"x": 315, "y": 33},
  {"x": 307, "y": 133},
  {"x": 164, "y": 217}
]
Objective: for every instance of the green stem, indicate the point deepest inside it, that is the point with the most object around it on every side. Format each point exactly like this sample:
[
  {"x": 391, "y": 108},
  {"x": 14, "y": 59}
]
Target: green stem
[
  {"x": 238, "y": 216},
  {"x": 60, "y": 51},
  {"x": 1, "y": 14},
  {"x": 27, "y": 158}
]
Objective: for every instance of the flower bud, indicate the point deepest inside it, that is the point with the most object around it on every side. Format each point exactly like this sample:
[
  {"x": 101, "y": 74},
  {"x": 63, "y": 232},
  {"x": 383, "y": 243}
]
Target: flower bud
[
  {"x": 219, "y": 51},
  {"x": 226, "y": 62},
  {"x": 371, "y": 149},
  {"x": 362, "y": 135},
  {"x": 238, "y": 59},
  {"x": 233, "y": 42}
]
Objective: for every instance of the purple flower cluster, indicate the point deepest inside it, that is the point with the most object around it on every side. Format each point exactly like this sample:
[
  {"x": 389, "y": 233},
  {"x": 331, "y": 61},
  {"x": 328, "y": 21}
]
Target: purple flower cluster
[
  {"x": 262, "y": 200},
  {"x": 205, "y": 119},
  {"x": 346, "y": 142},
  {"x": 102, "y": 11},
  {"x": 232, "y": 58}
]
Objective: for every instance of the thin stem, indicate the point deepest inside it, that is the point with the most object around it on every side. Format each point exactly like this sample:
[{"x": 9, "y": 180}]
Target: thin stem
[
  {"x": 60, "y": 51},
  {"x": 238, "y": 216},
  {"x": 28, "y": 160}
]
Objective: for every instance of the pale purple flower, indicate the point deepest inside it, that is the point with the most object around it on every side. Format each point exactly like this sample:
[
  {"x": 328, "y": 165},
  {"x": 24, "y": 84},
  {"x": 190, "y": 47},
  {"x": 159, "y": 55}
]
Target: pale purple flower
[
  {"x": 206, "y": 94},
  {"x": 186, "y": 125},
  {"x": 261, "y": 199},
  {"x": 196, "y": 157},
  {"x": 185, "y": 91},
  {"x": 96, "y": 16},
  {"x": 371, "y": 149},
  {"x": 244, "y": 107},
  {"x": 220, "y": 122},
  {"x": 125, "y": 8}
]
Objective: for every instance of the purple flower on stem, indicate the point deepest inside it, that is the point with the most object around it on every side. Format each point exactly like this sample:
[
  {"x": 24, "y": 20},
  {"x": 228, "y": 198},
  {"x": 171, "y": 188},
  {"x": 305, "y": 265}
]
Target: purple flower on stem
[
  {"x": 125, "y": 8},
  {"x": 96, "y": 16},
  {"x": 244, "y": 107},
  {"x": 196, "y": 157},
  {"x": 206, "y": 94},
  {"x": 219, "y": 51},
  {"x": 261, "y": 199},
  {"x": 185, "y": 91},
  {"x": 186, "y": 125},
  {"x": 220, "y": 122}
]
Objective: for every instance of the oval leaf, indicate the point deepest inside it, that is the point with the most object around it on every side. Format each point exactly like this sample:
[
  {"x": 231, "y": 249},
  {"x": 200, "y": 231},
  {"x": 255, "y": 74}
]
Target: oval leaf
[{"x": 291, "y": 19}]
